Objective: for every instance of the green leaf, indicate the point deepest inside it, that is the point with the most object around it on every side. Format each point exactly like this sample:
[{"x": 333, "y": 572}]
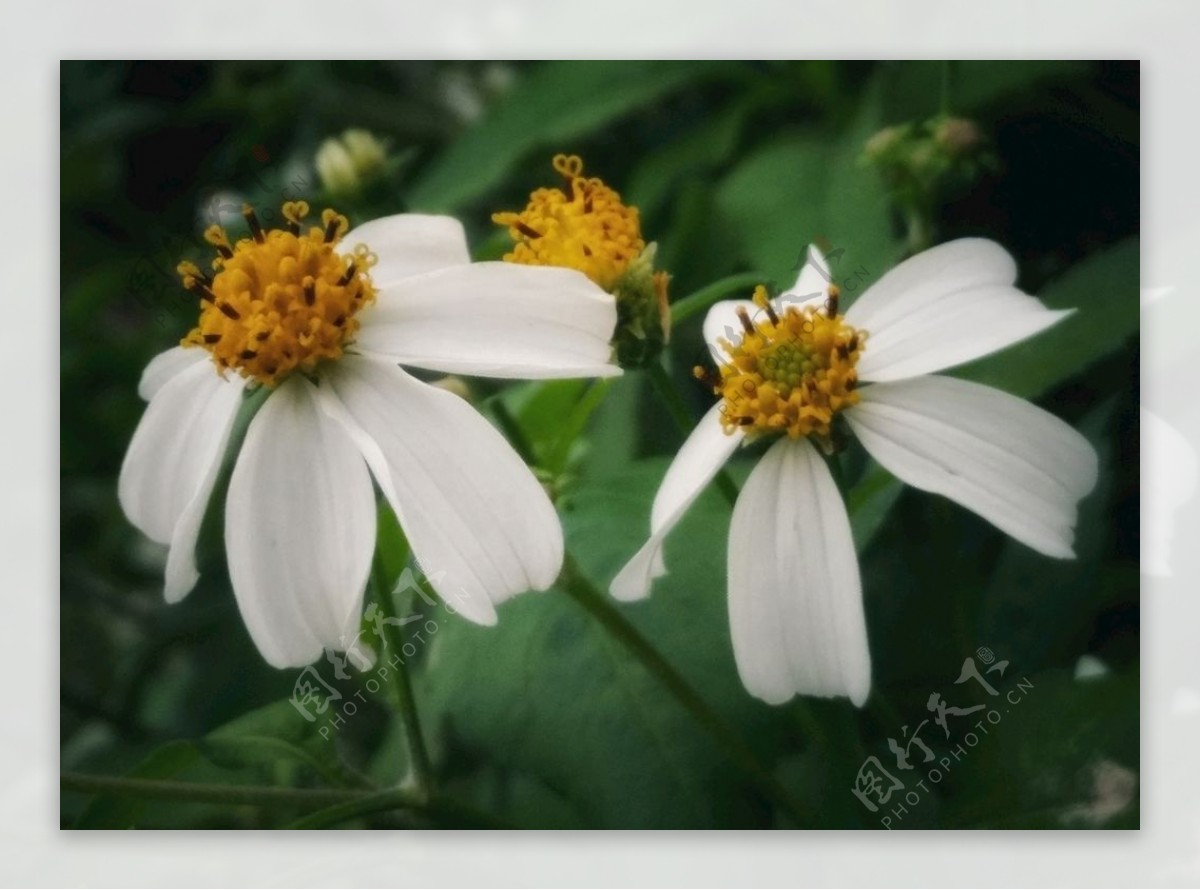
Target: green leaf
[
  {"x": 556, "y": 103},
  {"x": 804, "y": 186},
  {"x": 548, "y": 694},
  {"x": 1104, "y": 291}
]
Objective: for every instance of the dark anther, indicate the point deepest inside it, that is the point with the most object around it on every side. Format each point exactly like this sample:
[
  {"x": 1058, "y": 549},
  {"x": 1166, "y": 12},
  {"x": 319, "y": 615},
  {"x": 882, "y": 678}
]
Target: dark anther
[
  {"x": 211, "y": 338},
  {"x": 262, "y": 335},
  {"x": 745, "y": 320},
  {"x": 843, "y": 351},
  {"x": 527, "y": 231},
  {"x": 270, "y": 369},
  {"x": 225, "y": 250},
  {"x": 310, "y": 291},
  {"x": 247, "y": 354},
  {"x": 252, "y": 222},
  {"x": 587, "y": 251},
  {"x": 854, "y": 343},
  {"x": 199, "y": 288},
  {"x": 228, "y": 311},
  {"x": 293, "y": 227},
  {"x": 771, "y": 313},
  {"x": 331, "y": 229},
  {"x": 587, "y": 204},
  {"x": 351, "y": 271},
  {"x": 831, "y": 304},
  {"x": 339, "y": 321},
  {"x": 745, "y": 421}
]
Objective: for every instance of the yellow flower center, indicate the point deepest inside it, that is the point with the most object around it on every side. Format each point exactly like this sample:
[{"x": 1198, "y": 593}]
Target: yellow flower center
[
  {"x": 790, "y": 372},
  {"x": 280, "y": 300},
  {"x": 585, "y": 228}
]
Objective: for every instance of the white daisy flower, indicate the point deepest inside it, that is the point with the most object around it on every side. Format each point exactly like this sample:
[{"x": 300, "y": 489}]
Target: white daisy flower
[
  {"x": 795, "y": 597},
  {"x": 325, "y": 318}
]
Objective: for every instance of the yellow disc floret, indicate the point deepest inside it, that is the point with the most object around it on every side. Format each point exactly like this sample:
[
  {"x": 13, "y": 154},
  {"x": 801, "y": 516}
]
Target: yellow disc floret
[
  {"x": 281, "y": 300},
  {"x": 789, "y": 371},
  {"x": 585, "y": 228}
]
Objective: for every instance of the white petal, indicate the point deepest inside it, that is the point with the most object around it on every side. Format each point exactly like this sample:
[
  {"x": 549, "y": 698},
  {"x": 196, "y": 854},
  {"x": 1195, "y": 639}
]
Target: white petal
[
  {"x": 795, "y": 597},
  {"x": 698, "y": 461},
  {"x": 1017, "y": 466},
  {"x": 166, "y": 365},
  {"x": 812, "y": 284},
  {"x": 479, "y": 523},
  {"x": 810, "y": 289},
  {"x": 948, "y": 305},
  {"x": 299, "y": 529},
  {"x": 409, "y": 244},
  {"x": 723, "y": 324},
  {"x": 495, "y": 320},
  {"x": 173, "y": 461}
]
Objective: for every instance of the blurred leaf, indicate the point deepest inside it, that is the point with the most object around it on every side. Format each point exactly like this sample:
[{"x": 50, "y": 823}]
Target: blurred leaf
[
  {"x": 1104, "y": 291},
  {"x": 549, "y": 694},
  {"x": 556, "y": 103},
  {"x": 115, "y": 811},
  {"x": 805, "y": 186}
]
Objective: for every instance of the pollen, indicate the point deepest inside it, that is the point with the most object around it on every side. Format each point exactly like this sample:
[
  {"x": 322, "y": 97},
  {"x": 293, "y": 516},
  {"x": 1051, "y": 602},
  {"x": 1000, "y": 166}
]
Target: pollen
[
  {"x": 584, "y": 227},
  {"x": 280, "y": 300},
  {"x": 789, "y": 371}
]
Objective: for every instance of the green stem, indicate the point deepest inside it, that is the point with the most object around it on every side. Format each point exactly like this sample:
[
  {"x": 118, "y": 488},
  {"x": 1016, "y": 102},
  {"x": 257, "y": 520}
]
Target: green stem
[
  {"x": 200, "y": 792},
  {"x": 683, "y": 419},
  {"x": 335, "y": 805},
  {"x": 446, "y": 812},
  {"x": 402, "y": 686},
  {"x": 706, "y": 296},
  {"x": 580, "y": 589},
  {"x": 512, "y": 430}
]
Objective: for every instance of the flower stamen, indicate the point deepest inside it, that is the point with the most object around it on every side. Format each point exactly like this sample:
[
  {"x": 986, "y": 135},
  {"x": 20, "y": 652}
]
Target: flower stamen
[
  {"x": 791, "y": 372},
  {"x": 281, "y": 300}
]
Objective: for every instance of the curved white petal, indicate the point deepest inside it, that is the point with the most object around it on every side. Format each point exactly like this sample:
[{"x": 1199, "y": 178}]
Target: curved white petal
[
  {"x": 166, "y": 365},
  {"x": 494, "y": 320},
  {"x": 948, "y": 305},
  {"x": 812, "y": 284},
  {"x": 409, "y": 244},
  {"x": 795, "y": 597},
  {"x": 299, "y": 529},
  {"x": 480, "y": 524},
  {"x": 173, "y": 461},
  {"x": 810, "y": 289},
  {"x": 698, "y": 461},
  {"x": 722, "y": 323},
  {"x": 1017, "y": 466}
]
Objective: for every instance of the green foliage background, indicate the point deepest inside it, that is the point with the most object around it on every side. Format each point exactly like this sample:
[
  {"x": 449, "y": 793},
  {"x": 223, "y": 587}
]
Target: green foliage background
[{"x": 546, "y": 720}]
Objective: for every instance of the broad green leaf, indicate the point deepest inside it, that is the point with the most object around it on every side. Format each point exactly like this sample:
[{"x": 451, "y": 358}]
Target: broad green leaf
[
  {"x": 804, "y": 187},
  {"x": 549, "y": 694},
  {"x": 555, "y": 103}
]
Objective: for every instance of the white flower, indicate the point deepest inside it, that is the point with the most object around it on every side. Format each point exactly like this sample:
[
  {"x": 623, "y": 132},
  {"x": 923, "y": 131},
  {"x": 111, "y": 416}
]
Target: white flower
[
  {"x": 283, "y": 309},
  {"x": 795, "y": 597}
]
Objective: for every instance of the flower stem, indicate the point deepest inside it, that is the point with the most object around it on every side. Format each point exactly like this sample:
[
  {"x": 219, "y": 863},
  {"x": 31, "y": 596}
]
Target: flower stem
[
  {"x": 683, "y": 419},
  {"x": 402, "y": 689},
  {"x": 335, "y": 805},
  {"x": 700, "y": 300},
  {"x": 580, "y": 589}
]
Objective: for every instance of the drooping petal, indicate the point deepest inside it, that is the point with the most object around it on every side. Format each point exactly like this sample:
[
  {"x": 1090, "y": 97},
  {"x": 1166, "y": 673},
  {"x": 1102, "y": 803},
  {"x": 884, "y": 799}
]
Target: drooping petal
[
  {"x": 299, "y": 529},
  {"x": 948, "y": 305},
  {"x": 795, "y": 596},
  {"x": 1017, "y": 466},
  {"x": 698, "y": 461},
  {"x": 494, "y": 320},
  {"x": 173, "y": 461},
  {"x": 479, "y": 522},
  {"x": 166, "y": 365},
  {"x": 409, "y": 244}
]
